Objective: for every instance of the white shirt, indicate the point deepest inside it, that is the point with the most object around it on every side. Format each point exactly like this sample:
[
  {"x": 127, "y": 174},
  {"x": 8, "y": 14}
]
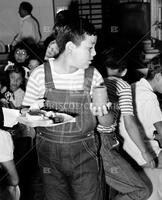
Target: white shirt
[
  {"x": 28, "y": 28},
  {"x": 6, "y": 146},
  {"x": 147, "y": 110}
]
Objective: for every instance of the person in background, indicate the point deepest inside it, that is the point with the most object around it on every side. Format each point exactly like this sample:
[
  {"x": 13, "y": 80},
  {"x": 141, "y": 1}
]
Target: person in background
[
  {"x": 29, "y": 26},
  {"x": 68, "y": 154},
  {"x": 22, "y": 135},
  {"x": 149, "y": 116},
  {"x": 7, "y": 163},
  {"x": 50, "y": 46},
  {"x": 35, "y": 58},
  {"x": 21, "y": 55},
  {"x": 120, "y": 175},
  {"x": 16, "y": 86},
  {"x": 52, "y": 50},
  {"x": 33, "y": 63}
]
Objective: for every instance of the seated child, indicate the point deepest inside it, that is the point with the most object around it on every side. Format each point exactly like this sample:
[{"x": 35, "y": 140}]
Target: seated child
[{"x": 16, "y": 87}]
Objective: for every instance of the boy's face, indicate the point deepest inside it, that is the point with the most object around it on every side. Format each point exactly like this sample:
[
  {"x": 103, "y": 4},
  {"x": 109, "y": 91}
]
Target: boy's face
[
  {"x": 15, "y": 81},
  {"x": 83, "y": 54}
]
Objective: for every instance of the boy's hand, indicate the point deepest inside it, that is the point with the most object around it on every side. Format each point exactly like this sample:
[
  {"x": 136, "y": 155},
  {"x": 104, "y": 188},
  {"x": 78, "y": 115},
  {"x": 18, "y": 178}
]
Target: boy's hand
[
  {"x": 100, "y": 110},
  {"x": 38, "y": 104}
]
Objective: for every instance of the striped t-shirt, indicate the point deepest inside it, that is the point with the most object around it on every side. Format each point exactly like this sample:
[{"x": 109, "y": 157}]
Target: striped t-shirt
[
  {"x": 119, "y": 92},
  {"x": 74, "y": 81}
]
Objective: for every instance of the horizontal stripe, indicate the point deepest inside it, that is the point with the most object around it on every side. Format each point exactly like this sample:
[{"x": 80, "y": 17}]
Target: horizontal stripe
[{"x": 74, "y": 81}]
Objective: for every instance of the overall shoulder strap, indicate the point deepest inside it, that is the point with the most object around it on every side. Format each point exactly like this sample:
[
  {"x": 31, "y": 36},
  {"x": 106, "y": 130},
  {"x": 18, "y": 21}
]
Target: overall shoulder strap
[
  {"x": 88, "y": 78},
  {"x": 48, "y": 76}
]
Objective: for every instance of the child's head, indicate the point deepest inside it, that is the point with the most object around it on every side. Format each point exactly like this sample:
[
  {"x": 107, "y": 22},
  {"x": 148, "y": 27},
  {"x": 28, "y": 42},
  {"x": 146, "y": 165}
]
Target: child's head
[
  {"x": 112, "y": 59},
  {"x": 21, "y": 52},
  {"x": 33, "y": 63},
  {"x": 76, "y": 40},
  {"x": 16, "y": 76},
  {"x": 35, "y": 58},
  {"x": 73, "y": 31},
  {"x": 20, "y": 55},
  {"x": 155, "y": 73},
  {"x": 51, "y": 50}
]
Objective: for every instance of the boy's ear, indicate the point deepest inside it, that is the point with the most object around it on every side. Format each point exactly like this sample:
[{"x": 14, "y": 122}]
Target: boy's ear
[
  {"x": 123, "y": 73},
  {"x": 69, "y": 46}
]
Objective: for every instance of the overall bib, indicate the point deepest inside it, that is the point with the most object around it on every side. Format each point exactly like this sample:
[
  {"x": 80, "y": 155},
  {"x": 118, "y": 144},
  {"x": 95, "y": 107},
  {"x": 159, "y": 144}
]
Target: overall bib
[{"x": 69, "y": 154}]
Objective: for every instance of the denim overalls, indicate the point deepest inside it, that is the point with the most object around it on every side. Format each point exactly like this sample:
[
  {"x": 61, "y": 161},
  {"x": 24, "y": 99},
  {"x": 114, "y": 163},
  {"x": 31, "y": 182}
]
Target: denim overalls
[
  {"x": 69, "y": 154},
  {"x": 120, "y": 175}
]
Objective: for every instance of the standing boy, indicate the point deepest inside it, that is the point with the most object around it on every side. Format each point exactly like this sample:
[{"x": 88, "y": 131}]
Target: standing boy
[
  {"x": 68, "y": 154},
  {"x": 148, "y": 113},
  {"x": 118, "y": 172}
]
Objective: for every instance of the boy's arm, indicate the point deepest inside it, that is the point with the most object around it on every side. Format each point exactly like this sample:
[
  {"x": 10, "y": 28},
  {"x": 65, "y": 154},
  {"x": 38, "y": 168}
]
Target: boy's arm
[{"x": 133, "y": 131}]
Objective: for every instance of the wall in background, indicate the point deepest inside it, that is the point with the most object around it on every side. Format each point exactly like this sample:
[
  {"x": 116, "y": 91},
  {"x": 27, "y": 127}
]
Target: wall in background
[
  {"x": 43, "y": 11},
  {"x": 9, "y": 17}
]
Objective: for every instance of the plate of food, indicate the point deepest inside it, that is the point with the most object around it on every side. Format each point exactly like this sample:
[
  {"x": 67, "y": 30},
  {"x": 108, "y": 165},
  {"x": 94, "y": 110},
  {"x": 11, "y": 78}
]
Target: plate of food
[{"x": 42, "y": 118}]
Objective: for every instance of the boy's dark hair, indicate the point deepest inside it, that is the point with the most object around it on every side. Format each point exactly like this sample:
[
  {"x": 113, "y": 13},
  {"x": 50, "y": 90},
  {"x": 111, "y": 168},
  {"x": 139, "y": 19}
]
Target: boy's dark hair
[
  {"x": 73, "y": 29},
  {"x": 154, "y": 67},
  {"x": 113, "y": 58},
  {"x": 62, "y": 17},
  {"x": 26, "y": 6}
]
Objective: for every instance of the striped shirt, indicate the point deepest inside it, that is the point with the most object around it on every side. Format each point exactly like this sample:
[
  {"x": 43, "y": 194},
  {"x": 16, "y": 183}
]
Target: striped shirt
[
  {"x": 119, "y": 91},
  {"x": 73, "y": 81}
]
